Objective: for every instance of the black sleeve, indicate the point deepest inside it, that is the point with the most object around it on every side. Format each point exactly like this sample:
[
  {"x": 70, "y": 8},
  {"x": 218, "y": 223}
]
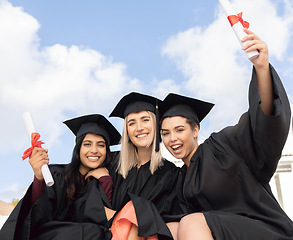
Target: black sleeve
[{"x": 258, "y": 139}]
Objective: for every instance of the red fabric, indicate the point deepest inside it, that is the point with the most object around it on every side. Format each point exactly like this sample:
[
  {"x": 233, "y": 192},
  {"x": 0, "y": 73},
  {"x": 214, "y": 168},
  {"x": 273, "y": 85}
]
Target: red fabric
[
  {"x": 123, "y": 221},
  {"x": 35, "y": 143},
  {"x": 107, "y": 184},
  {"x": 37, "y": 189},
  {"x": 238, "y": 18}
]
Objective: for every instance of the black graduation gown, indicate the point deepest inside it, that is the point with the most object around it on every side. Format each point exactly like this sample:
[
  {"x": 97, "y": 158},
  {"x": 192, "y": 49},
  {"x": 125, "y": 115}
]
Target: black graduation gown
[
  {"x": 228, "y": 177},
  {"x": 51, "y": 218},
  {"x": 159, "y": 189}
]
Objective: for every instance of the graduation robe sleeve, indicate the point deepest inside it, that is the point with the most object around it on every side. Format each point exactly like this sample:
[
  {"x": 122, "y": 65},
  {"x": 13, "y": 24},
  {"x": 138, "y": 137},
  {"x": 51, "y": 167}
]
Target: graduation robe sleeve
[
  {"x": 158, "y": 189},
  {"x": 258, "y": 138},
  {"x": 51, "y": 218},
  {"x": 228, "y": 177},
  {"x": 149, "y": 219}
]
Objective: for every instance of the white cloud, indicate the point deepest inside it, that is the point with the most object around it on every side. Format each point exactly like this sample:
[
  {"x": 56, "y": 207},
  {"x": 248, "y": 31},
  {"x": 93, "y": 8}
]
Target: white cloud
[
  {"x": 13, "y": 191},
  {"x": 213, "y": 63},
  {"x": 164, "y": 87},
  {"x": 272, "y": 21},
  {"x": 56, "y": 80},
  {"x": 50, "y": 81}
]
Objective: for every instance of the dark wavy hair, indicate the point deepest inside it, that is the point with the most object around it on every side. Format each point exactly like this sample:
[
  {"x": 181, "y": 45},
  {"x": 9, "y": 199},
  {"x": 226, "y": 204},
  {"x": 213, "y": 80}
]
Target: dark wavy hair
[
  {"x": 192, "y": 123},
  {"x": 76, "y": 185}
]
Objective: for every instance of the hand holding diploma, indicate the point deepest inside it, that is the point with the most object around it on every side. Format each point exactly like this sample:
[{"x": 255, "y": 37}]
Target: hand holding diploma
[
  {"x": 238, "y": 25},
  {"x": 254, "y": 43},
  {"x": 262, "y": 70},
  {"x": 37, "y": 159},
  {"x": 38, "y": 156}
]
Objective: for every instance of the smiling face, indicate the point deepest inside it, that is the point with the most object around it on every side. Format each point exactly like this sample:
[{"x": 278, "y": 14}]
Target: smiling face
[
  {"x": 140, "y": 129},
  {"x": 93, "y": 152},
  {"x": 179, "y": 138}
]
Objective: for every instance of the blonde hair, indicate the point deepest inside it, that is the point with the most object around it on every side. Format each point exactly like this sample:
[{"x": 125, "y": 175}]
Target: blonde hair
[{"x": 129, "y": 156}]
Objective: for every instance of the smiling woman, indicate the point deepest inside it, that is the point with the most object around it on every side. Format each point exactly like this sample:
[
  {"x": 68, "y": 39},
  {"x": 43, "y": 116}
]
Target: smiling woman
[
  {"x": 141, "y": 130},
  {"x": 93, "y": 152},
  {"x": 140, "y": 137},
  {"x": 224, "y": 182},
  {"x": 140, "y": 169},
  {"x": 76, "y": 206}
]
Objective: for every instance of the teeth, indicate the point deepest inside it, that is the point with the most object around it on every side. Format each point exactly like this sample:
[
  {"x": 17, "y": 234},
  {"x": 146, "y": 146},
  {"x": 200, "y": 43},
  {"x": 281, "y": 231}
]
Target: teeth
[
  {"x": 93, "y": 158},
  {"x": 140, "y": 136},
  {"x": 176, "y": 146}
]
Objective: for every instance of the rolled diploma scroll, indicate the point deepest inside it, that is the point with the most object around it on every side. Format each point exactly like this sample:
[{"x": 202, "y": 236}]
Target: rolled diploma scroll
[
  {"x": 28, "y": 122},
  {"x": 238, "y": 28}
]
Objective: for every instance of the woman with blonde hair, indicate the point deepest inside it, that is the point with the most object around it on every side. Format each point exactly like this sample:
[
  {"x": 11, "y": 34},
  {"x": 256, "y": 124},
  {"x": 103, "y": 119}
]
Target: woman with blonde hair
[
  {"x": 134, "y": 153},
  {"x": 140, "y": 171}
]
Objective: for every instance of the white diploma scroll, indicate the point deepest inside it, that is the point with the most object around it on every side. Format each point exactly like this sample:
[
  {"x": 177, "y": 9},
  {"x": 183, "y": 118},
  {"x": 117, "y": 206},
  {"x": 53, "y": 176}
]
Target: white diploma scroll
[
  {"x": 30, "y": 127},
  {"x": 238, "y": 28}
]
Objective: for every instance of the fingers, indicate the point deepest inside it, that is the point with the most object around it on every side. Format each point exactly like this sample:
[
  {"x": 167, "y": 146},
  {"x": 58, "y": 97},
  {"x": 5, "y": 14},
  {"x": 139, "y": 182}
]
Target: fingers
[
  {"x": 97, "y": 173},
  {"x": 253, "y": 42},
  {"x": 250, "y": 35},
  {"x": 38, "y": 158},
  {"x": 89, "y": 174},
  {"x": 38, "y": 150},
  {"x": 253, "y": 45},
  {"x": 39, "y": 155}
]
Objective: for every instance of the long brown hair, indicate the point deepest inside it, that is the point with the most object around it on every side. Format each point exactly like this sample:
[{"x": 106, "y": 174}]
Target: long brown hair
[{"x": 75, "y": 184}]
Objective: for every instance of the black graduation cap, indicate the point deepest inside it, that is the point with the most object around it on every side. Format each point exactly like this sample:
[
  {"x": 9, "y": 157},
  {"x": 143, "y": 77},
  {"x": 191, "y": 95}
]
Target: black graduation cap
[
  {"x": 178, "y": 105},
  {"x": 134, "y": 102},
  {"x": 137, "y": 102},
  {"x": 94, "y": 123}
]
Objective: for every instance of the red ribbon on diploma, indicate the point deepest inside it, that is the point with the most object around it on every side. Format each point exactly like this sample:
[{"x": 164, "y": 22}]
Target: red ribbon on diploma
[
  {"x": 238, "y": 18},
  {"x": 35, "y": 143}
]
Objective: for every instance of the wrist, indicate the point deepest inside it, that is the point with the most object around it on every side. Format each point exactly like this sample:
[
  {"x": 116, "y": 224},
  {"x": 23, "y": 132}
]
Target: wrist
[
  {"x": 39, "y": 178},
  {"x": 262, "y": 70}
]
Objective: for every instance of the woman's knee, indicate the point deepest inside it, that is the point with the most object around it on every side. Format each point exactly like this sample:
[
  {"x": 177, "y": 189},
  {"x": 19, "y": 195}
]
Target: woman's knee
[
  {"x": 194, "y": 226},
  {"x": 190, "y": 219},
  {"x": 173, "y": 227}
]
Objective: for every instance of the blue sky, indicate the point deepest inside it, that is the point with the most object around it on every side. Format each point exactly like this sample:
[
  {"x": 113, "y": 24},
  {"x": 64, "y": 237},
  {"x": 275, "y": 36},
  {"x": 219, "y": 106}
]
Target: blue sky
[
  {"x": 62, "y": 59},
  {"x": 131, "y": 32}
]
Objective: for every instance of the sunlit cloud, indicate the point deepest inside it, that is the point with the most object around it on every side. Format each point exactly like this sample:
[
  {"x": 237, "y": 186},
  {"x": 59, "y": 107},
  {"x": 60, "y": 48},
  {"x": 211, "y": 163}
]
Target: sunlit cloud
[
  {"x": 214, "y": 66},
  {"x": 13, "y": 191},
  {"x": 52, "y": 80}
]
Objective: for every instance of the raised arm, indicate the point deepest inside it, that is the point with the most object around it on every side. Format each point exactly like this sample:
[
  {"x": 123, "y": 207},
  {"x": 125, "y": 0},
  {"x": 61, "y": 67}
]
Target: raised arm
[{"x": 262, "y": 69}]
